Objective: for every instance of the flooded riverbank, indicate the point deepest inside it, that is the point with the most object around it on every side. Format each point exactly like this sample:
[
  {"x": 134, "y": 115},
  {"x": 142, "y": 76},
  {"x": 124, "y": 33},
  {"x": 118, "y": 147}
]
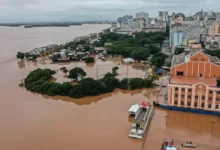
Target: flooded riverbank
[{"x": 33, "y": 121}]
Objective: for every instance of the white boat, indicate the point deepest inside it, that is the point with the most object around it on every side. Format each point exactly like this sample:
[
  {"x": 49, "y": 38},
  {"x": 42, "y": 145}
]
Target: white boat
[
  {"x": 188, "y": 144},
  {"x": 134, "y": 109},
  {"x": 141, "y": 120}
]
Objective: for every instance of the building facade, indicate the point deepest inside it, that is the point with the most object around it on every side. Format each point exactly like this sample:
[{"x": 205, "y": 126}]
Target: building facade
[
  {"x": 143, "y": 15},
  {"x": 215, "y": 29},
  {"x": 193, "y": 81},
  {"x": 163, "y": 15},
  {"x": 153, "y": 29}
]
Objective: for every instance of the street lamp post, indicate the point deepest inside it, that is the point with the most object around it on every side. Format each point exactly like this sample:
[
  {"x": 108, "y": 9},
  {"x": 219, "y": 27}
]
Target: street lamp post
[
  {"x": 212, "y": 122},
  {"x": 166, "y": 119}
]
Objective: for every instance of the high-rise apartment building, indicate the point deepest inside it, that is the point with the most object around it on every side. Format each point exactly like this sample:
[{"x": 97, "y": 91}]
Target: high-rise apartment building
[
  {"x": 143, "y": 15},
  {"x": 163, "y": 15}
]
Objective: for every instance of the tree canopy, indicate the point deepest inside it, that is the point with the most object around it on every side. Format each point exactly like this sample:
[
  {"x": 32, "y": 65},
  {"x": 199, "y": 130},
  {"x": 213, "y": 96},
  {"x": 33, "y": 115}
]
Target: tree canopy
[
  {"x": 140, "y": 53},
  {"x": 90, "y": 60},
  {"x": 139, "y": 48},
  {"x": 20, "y": 55},
  {"x": 37, "y": 81},
  {"x": 76, "y": 73},
  {"x": 179, "y": 51},
  {"x": 158, "y": 59}
]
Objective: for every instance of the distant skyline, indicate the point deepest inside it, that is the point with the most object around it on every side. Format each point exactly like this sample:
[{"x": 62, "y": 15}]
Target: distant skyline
[{"x": 87, "y": 10}]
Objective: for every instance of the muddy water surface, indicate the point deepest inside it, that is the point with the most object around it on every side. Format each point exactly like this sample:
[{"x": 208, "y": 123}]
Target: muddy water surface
[{"x": 33, "y": 121}]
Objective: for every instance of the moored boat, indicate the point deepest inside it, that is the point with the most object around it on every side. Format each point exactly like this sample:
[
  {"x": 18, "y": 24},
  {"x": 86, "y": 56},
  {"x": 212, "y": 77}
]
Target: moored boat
[
  {"x": 188, "y": 144},
  {"x": 141, "y": 120},
  {"x": 168, "y": 144},
  {"x": 134, "y": 109}
]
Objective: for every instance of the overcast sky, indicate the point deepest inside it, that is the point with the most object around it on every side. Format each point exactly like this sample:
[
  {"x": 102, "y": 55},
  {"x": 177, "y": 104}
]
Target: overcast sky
[{"x": 82, "y": 10}]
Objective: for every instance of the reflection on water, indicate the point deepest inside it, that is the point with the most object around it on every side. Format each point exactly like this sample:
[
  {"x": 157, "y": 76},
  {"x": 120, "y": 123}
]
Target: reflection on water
[{"x": 21, "y": 64}]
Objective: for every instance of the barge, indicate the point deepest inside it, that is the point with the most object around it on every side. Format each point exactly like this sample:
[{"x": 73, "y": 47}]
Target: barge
[{"x": 141, "y": 120}]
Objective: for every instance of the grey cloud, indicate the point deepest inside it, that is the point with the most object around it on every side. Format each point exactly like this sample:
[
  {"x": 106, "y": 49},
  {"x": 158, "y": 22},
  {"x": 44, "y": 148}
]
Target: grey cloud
[{"x": 50, "y": 10}]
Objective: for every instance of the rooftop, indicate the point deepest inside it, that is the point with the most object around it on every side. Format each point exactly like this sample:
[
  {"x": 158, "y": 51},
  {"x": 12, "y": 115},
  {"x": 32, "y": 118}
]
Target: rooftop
[
  {"x": 179, "y": 59},
  {"x": 192, "y": 80}
]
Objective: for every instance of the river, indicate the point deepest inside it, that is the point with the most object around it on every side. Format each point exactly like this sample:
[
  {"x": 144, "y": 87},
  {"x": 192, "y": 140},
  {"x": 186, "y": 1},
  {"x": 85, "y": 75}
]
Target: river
[{"x": 38, "y": 122}]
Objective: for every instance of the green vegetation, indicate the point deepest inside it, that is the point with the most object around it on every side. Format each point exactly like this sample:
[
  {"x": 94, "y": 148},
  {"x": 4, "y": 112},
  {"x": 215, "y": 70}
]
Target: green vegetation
[
  {"x": 37, "y": 81},
  {"x": 76, "y": 73},
  {"x": 55, "y": 57},
  {"x": 90, "y": 60},
  {"x": 158, "y": 59},
  {"x": 72, "y": 45},
  {"x": 179, "y": 51},
  {"x": 64, "y": 69},
  {"x": 20, "y": 55},
  {"x": 213, "y": 52},
  {"x": 139, "y": 48}
]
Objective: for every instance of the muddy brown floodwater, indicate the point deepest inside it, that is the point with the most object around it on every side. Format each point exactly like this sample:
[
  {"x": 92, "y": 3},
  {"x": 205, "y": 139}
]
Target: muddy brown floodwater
[{"x": 37, "y": 122}]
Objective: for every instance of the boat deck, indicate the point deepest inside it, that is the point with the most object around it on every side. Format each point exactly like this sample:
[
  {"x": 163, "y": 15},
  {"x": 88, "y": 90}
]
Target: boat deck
[{"x": 141, "y": 115}]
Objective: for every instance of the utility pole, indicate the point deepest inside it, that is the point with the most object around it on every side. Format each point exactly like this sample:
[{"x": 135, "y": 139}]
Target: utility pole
[
  {"x": 127, "y": 70},
  {"x": 212, "y": 122},
  {"x": 166, "y": 119},
  {"x": 97, "y": 73}
]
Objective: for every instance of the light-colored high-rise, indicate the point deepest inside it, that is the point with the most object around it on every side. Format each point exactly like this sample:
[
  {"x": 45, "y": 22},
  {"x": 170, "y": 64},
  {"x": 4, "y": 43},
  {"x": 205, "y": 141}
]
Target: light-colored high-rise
[
  {"x": 163, "y": 15},
  {"x": 143, "y": 15}
]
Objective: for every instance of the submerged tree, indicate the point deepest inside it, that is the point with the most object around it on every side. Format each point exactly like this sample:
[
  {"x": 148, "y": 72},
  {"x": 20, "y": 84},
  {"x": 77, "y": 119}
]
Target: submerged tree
[
  {"x": 20, "y": 55},
  {"x": 76, "y": 73}
]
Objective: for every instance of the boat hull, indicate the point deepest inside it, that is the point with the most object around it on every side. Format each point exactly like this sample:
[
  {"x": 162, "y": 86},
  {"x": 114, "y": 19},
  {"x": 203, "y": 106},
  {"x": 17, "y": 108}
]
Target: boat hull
[{"x": 146, "y": 123}]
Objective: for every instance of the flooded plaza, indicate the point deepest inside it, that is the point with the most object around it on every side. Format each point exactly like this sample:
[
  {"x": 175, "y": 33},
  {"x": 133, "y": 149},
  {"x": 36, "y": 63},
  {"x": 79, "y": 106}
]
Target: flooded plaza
[{"x": 39, "y": 122}]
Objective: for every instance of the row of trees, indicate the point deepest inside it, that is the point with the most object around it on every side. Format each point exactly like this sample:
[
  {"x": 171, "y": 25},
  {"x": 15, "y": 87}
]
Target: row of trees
[
  {"x": 139, "y": 48},
  {"x": 21, "y": 56},
  {"x": 213, "y": 52},
  {"x": 37, "y": 81}
]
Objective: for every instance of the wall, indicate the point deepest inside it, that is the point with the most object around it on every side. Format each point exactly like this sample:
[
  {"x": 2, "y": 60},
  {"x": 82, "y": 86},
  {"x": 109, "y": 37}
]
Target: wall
[{"x": 194, "y": 68}]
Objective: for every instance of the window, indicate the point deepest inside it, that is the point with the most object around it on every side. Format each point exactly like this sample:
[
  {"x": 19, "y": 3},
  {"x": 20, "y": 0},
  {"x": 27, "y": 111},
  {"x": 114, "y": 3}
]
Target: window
[
  {"x": 202, "y": 59},
  {"x": 182, "y": 102},
  {"x": 218, "y": 99},
  {"x": 202, "y": 105},
  {"x": 176, "y": 95},
  {"x": 210, "y": 92},
  {"x": 189, "y": 96},
  {"x": 179, "y": 73},
  {"x": 195, "y": 104},
  {"x": 203, "y": 97},
  {"x": 200, "y": 75},
  {"x": 182, "y": 96},
  {"x": 195, "y": 59},
  {"x": 216, "y": 106},
  {"x": 218, "y": 92},
  {"x": 189, "y": 90},
  {"x": 175, "y": 102},
  {"x": 210, "y": 106},
  {"x": 176, "y": 89},
  {"x": 214, "y": 75},
  {"x": 196, "y": 97},
  {"x": 183, "y": 90},
  {"x": 189, "y": 104},
  {"x": 210, "y": 98}
]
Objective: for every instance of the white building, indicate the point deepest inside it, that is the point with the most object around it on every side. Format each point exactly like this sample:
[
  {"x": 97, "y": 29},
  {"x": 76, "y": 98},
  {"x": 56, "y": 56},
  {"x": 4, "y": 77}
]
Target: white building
[
  {"x": 143, "y": 15},
  {"x": 163, "y": 15}
]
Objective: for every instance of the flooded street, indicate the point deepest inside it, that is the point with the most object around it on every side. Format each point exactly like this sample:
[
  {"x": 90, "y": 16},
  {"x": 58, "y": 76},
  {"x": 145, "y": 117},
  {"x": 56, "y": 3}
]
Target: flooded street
[{"x": 31, "y": 121}]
